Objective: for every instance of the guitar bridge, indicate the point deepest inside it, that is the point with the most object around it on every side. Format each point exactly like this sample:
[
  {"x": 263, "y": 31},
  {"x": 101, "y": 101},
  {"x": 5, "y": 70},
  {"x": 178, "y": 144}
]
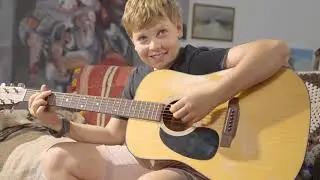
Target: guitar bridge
[{"x": 231, "y": 123}]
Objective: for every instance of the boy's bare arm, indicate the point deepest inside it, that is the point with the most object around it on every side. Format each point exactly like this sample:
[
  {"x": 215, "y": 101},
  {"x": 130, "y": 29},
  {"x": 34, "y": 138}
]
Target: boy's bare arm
[
  {"x": 112, "y": 134},
  {"x": 246, "y": 65},
  {"x": 250, "y": 64}
]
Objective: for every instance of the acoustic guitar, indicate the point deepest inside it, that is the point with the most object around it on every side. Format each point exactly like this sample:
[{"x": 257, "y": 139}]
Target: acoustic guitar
[{"x": 261, "y": 133}]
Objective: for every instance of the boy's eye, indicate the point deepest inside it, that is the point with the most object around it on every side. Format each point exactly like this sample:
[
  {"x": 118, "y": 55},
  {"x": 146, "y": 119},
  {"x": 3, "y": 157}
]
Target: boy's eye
[
  {"x": 142, "y": 38},
  {"x": 162, "y": 31}
]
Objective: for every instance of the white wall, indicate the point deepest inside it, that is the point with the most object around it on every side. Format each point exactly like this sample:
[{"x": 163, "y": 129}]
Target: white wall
[
  {"x": 6, "y": 35},
  {"x": 294, "y": 21}
]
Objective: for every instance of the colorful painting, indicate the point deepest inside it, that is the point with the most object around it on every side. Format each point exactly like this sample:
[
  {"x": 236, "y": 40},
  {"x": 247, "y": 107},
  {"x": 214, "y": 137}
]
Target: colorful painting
[
  {"x": 62, "y": 35},
  {"x": 302, "y": 59}
]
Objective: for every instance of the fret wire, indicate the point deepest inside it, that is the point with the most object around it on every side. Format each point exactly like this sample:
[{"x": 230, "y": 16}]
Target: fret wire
[
  {"x": 70, "y": 100},
  {"x": 132, "y": 108},
  {"x": 160, "y": 107},
  {"x": 123, "y": 106},
  {"x": 79, "y": 102},
  {"x": 66, "y": 100},
  {"x": 107, "y": 102},
  {"x": 129, "y": 104},
  {"x": 147, "y": 110},
  {"x": 118, "y": 107},
  {"x": 119, "y": 102},
  {"x": 106, "y": 108},
  {"x": 86, "y": 102},
  {"x": 114, "y": 107},
  {"x": 90, "y": 104},
  {"x": 125, "y": 109},
  {"x": 141, "y": 109},
  {"x": 62, "y": 98},
  {"x": 158, "y": 112},
  {"x": 94, "y": 102},
  {"x": 137, "y": 109},
  {"x": 154, "y": 112}
]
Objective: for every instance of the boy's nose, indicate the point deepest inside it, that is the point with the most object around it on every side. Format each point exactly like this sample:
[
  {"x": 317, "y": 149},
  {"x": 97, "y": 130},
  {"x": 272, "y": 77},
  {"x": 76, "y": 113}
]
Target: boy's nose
[{"x": 154, "y": 45}]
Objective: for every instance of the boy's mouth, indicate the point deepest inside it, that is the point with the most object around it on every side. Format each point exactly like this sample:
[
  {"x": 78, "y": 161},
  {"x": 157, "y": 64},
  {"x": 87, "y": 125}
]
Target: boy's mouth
[{"x": 158, "y": 56}]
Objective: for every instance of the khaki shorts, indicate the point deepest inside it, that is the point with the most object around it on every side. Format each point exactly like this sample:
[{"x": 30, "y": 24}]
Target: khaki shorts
[{"x": 127, "y": 167}]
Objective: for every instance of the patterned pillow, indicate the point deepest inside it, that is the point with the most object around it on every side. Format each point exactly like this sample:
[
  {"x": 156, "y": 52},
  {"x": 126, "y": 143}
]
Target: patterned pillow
[{"x": 99, "y": 80}]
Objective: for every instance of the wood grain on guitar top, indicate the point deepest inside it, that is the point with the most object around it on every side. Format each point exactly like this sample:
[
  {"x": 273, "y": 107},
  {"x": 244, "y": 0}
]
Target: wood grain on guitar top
[{"x": 271, "y": 135}]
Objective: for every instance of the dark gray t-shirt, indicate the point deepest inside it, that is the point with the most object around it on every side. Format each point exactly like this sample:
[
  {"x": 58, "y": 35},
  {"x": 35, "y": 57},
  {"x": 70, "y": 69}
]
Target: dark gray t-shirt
[{"x": 190, "y": 60}]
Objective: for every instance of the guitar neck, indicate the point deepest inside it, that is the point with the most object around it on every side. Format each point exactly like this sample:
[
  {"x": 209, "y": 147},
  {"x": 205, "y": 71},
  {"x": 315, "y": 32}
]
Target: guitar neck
[{"x": 114, "y": 106}]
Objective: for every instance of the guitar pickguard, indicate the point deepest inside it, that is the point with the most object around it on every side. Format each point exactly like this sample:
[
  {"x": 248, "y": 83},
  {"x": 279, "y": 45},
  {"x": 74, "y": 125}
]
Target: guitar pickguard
[{"x": 201, "y": 144}]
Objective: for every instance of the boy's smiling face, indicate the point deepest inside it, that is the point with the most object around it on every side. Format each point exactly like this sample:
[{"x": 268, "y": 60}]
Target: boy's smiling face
[{"x": 158, "y": 44}]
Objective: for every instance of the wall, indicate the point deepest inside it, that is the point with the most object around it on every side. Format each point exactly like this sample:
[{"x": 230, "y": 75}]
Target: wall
[
  {"x": 6, "y": 19},
  {"x": 285, "y": 20},
  {"x": 293, "y": 21}
]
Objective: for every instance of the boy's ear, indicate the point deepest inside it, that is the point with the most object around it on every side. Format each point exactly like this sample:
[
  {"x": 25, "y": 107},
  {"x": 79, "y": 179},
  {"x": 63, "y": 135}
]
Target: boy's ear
[{"x": 180, "y": 29}]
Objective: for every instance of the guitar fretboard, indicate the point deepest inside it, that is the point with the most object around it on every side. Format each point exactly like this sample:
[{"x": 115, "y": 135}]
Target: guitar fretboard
[{"x": 115, "y": 106}]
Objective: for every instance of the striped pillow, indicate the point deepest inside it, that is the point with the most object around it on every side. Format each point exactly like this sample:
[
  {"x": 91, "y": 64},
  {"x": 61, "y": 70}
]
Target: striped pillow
[{"x": 100, "y": 80}]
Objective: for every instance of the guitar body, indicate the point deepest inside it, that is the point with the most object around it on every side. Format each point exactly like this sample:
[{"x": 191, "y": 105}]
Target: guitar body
[{"x": 270, "y": 138}]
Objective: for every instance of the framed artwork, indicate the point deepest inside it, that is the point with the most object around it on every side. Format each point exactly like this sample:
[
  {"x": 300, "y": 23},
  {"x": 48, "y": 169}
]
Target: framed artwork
[
  {"x": 184, "y": 5},
  {"x": 212, "y": 22}
]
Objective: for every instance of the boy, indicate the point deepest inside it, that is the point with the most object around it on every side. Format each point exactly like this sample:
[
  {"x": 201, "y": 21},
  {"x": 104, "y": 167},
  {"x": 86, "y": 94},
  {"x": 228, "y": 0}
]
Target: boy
[{"x": 155, "y": 28}]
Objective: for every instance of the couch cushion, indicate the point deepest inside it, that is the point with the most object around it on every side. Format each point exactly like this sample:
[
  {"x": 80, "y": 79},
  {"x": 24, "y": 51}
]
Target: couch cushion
[{"x": 100, "y": 80}]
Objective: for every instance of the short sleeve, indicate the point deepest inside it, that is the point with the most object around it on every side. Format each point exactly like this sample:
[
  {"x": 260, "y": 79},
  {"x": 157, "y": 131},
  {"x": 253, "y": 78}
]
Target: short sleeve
[
  {"x": 204, "y": 60},
  {"x": 127, "y": 93},
  {"x": 131, "y": 86}
]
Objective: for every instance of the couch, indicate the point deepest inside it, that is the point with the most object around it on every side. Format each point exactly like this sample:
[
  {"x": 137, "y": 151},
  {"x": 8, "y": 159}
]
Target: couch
[{"x": 24, "y": 141}]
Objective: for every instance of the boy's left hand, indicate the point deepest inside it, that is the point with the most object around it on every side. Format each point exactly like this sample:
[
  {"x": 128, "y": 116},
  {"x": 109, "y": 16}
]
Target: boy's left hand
[{"x": 195, "y": 104}]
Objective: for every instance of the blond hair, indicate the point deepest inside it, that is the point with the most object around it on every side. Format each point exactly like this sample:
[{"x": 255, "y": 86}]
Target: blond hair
[{"x": 140, "y": 14}]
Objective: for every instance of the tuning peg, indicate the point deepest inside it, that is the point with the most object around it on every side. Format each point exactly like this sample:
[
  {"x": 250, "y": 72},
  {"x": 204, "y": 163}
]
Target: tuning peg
[
  {"x": 21, "y": 85},
  {"x": 11, "y": 84},
  {"x": 3, "y": 84}
]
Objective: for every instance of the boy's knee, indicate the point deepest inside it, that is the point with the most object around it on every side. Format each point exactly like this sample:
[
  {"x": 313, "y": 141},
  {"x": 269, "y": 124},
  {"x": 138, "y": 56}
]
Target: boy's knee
[
  {"x": 55, "y": 159},
  {"x": 163, "y": 174},
  {"x": 67, "y": 161}
]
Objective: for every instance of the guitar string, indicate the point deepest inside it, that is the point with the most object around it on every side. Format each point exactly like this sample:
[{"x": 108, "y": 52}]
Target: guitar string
[{"x": 164, "y": 112}]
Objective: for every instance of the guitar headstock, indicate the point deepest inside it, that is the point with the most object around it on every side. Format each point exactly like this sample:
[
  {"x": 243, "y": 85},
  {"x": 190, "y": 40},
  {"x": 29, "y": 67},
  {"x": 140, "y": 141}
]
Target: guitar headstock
[{"x": 11, "y": 95}]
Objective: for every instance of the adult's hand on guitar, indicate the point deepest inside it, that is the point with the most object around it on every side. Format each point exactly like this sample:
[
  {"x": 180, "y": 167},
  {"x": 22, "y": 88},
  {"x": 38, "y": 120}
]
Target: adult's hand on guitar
[
  {"x": 38, "y": 107},
  {"x": 195, "y": 104}
]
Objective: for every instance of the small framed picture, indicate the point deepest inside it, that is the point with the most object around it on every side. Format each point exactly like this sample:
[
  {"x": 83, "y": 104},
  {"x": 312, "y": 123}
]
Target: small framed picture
[
  {"x": 212, "y": 22},
  {"x": 184, "y": 5}
]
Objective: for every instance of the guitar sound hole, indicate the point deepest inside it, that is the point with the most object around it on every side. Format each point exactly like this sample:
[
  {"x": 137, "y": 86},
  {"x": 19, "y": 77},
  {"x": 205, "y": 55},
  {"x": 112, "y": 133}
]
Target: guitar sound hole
[{"x": 171, "y": 122}]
